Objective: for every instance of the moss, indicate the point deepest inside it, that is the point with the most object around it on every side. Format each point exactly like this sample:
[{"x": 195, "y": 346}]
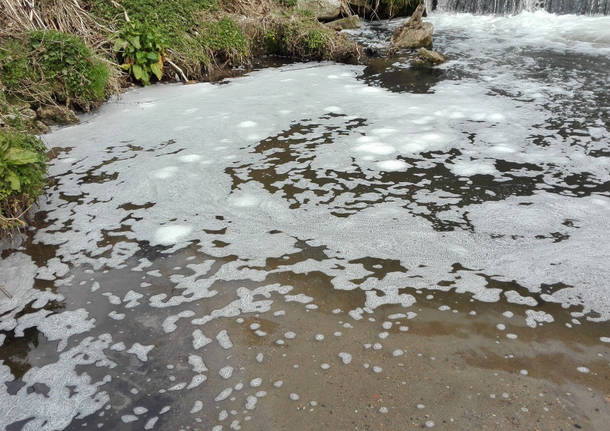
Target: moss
[
  {"x": 44, "y": 67},
  {"x": 22, "y": 173},
  {"x": 303, "y": 37},
  {"x": 224, "y": 38}
]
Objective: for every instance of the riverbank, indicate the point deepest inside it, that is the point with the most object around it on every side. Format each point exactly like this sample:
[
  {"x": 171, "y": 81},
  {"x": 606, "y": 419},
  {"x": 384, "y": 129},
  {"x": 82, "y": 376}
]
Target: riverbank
[{"x": 58, "y": 58}]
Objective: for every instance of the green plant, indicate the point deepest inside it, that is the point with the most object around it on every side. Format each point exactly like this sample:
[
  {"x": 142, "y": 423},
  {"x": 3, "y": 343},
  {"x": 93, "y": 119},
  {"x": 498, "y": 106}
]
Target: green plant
[
  {"x": 141, "y": 49},
  {"x": 22, "y": 172},
  {"x": 315, "y": 40},
  {"x": 48, "y": 66},
  {"x": 224, "y": 39}
]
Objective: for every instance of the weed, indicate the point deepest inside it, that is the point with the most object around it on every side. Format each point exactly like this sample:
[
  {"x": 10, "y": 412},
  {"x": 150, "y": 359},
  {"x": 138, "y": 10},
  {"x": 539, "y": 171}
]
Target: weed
[
  {"x": 141, "y": 49},
  {"x": 22, "y": 172}
]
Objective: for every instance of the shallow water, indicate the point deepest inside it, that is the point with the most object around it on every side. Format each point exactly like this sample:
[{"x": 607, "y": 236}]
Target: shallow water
[{"x": 326, "y": 246}]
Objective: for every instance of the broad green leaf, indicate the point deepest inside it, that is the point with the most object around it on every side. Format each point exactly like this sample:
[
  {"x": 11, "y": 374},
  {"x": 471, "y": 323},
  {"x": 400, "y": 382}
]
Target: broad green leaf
[
  {"x": 156, "y": 69},
  {"x": 119, "y": 45},
  {"x": 135, "y": 41},
  {"x": 18, "y": 156},
  {"x": 152, "y": 56},
  {"x": 138, "y": 72},
  {"x": 13, "y": 179}
]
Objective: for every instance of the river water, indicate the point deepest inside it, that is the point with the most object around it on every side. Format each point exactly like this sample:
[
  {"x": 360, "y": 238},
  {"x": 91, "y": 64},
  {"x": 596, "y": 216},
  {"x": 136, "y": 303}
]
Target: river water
[{"x": 322, "y": 246}]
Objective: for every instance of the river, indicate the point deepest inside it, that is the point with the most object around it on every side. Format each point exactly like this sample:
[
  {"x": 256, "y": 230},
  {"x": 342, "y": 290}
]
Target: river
[{"x": 323, "y": 246}]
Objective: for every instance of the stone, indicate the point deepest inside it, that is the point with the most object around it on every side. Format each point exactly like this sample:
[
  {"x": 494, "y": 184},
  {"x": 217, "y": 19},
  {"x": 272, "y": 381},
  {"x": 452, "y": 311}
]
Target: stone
[
  {"x": 322, "y": 9},
  {"x": 28, "y": 113},
  {"x": 414, "y": 33},
  {"x": 346, "y": 23},
  {"x": 41, "y": 128},
  {"x": 426, "y": 57},
  {"x": 54, "y": 114}
]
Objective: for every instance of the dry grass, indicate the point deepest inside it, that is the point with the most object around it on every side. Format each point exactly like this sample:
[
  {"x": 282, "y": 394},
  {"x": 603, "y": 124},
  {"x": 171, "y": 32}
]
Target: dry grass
[{"x": 67, "y": 16}]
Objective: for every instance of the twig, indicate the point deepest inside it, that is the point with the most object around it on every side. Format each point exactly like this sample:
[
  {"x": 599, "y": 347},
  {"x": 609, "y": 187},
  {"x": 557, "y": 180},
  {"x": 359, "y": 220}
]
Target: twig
[
  {"x": 8, "y": 295},
  {"x": 175, "y": 66}
]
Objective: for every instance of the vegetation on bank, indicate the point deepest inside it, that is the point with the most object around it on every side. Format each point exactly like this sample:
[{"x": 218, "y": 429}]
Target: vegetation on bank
[
  {"x": 22, "y": 175},
  {"x": 46, "y": 67},
  {"x": 57, "y": 56}
]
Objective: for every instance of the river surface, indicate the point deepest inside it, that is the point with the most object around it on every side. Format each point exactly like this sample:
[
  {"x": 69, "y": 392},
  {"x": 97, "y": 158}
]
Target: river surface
[{"x": 321, "y": 246}]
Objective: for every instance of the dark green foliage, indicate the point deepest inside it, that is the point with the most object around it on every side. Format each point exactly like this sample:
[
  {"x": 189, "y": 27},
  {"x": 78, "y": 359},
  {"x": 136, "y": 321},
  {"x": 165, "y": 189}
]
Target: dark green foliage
[
  {"x": 22, "y": 172},
  {"x": 49, "y": 66},
  {"x": 141, "y": 49}
]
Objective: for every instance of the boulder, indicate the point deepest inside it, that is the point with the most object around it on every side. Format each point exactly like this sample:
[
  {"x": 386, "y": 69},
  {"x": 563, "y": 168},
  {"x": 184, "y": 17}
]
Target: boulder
[
  {"x": 414, "y": 33},
  {"x": 346, "y": 23},
  {"x": 53, "y": 114},
  {"x": 426, "y": 57},
  {"x": 323, "y": 9}
]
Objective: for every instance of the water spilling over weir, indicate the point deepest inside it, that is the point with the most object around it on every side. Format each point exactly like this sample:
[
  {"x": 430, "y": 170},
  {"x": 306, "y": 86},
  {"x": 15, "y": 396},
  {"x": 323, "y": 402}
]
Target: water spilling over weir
[{"x": 580, "y": 7}]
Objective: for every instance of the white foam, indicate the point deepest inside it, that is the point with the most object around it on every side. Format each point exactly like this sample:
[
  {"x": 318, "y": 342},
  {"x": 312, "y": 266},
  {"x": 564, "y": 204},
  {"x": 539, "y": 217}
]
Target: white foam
[
  {"x": 346, "y": 358},
  {"x": 392, "y": 165},
  {"x": 168, "y": 235},
  {"x": 223, "y": 339},
  {"x": 141, "y": 351}
]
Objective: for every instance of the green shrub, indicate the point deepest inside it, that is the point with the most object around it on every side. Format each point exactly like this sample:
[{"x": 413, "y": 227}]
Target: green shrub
[
  {"x": 141, "y": 49},
  {"x": 224, "y": 39},
  {"x": 22, "y": 173},
  {"x": 49, "y": 66}
]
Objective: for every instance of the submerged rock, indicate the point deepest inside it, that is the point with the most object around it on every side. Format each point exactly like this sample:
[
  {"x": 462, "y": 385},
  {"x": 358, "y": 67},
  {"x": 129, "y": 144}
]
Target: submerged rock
[
  {"x": 414, "y": 33},
  {"x": 322, "y": 9},
  {"x": 349, "y": 22},
  {"x": 54, "y": 114},
  {"x": 426, "y": 57}
]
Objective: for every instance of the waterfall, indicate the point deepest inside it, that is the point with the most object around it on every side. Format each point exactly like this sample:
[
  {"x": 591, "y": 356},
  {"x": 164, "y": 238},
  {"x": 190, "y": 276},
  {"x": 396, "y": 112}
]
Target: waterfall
[{"x": 581, "y": 7}]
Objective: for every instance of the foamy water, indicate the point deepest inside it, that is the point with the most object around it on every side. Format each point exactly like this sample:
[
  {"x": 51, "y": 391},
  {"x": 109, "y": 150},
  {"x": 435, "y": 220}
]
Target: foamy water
[{"x": 206, "y": 252}]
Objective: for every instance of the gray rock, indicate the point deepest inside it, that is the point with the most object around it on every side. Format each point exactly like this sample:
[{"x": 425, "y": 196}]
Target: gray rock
[
  {"x": 323, "y": 9},
  {"x": 53, "y": 114},
  {"x": 414, "y": 33},
  {"x": 345, "y": 23},
  {"x": 426, "y": 57}
]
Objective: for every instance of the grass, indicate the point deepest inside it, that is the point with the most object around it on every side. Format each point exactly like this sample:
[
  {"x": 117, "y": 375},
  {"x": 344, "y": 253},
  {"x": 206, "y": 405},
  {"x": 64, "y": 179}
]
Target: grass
[{"x": 45, "y": 67}]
